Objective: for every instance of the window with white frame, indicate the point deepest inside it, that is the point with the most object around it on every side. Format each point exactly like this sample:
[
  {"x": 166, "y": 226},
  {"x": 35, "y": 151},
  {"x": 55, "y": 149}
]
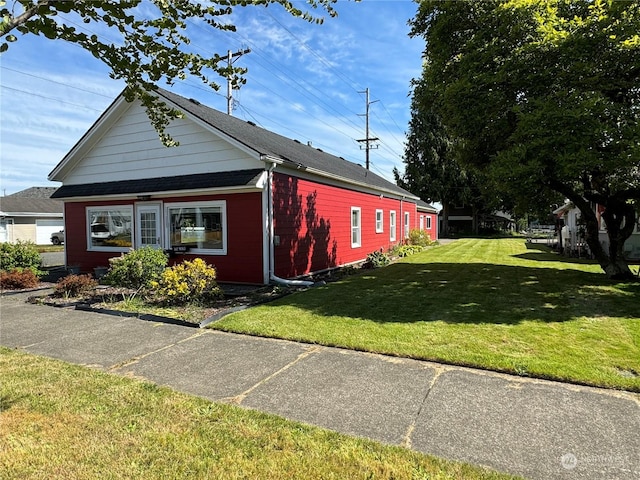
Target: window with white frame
[
  {"x": 356, "y": 228},
  {"x": 407, "y": 224},
  {"x": 392, "y": 226},
  {"x": 199, "y": 226},
  {"x": 379, "y": 221},
  {"x": 428, "y": 222},
  {"x": 109, "y": 228}
]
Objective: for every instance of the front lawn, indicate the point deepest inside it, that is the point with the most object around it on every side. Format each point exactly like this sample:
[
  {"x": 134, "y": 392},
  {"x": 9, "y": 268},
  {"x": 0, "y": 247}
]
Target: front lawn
[
  {"x": 497, "y": 304},
  {"x": 63, "y": 421}
]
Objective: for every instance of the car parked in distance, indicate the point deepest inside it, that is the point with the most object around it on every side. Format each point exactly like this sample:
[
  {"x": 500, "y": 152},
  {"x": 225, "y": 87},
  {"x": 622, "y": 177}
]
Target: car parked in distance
[{"x": 57, "y": 238}]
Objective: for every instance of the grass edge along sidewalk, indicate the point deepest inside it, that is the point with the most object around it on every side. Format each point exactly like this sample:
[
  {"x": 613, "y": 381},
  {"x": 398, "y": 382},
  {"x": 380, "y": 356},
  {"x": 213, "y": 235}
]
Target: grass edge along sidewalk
[
  {"x": 67, "y": 421},
  {"x": 502, "y": 305}
]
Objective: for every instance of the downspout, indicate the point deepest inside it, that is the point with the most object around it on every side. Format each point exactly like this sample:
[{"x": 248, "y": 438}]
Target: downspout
[{"x": 272, "y": 262}]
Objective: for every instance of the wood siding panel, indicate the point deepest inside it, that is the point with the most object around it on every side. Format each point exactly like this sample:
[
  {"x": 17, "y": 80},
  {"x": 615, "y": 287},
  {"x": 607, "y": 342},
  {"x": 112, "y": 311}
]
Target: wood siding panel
[
  {"x": 313, "y": 224},
  {"x": 132, "y": 150},
  {"x": 243, "y": 262}
]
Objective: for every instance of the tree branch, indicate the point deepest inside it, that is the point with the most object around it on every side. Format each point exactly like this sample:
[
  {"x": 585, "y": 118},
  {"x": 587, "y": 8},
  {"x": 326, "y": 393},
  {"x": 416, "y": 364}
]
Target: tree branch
[{"x": 14, "y": 22}]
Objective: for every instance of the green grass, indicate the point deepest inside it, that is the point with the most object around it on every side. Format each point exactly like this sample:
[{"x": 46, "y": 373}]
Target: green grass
[
  {"x": 62, "y": 421},
  {"x": 498, "y": 304}
]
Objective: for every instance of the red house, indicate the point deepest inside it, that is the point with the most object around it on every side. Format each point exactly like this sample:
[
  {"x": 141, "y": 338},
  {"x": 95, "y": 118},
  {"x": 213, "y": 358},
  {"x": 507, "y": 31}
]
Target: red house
[{"x": 256, "y": 205}]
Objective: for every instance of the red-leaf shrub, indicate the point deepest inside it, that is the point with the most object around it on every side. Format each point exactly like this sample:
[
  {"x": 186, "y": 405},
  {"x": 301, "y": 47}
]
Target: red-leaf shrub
[{"x": 18, "y": 279}]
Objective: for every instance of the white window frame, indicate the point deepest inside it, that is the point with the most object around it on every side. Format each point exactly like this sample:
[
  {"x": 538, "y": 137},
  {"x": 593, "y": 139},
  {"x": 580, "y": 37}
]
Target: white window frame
[
  {"x": 379, "y": 221},
  {"x": 98, "y": 248},
  {"x": 222, "y": 204},
  {"x": 392, "y": 226},
  {"x": 356, "y": 228},
  {"x": 428, "y": 222},
  {"x": 407, "y": 224}
]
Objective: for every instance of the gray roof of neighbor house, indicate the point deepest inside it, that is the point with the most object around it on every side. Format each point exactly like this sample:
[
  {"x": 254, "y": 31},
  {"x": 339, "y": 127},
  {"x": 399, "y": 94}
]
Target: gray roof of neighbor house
[
  {"x": 291, "y": 152},
  {"x": 35, "y": 192},
  {"x": 18, "y": 206}
]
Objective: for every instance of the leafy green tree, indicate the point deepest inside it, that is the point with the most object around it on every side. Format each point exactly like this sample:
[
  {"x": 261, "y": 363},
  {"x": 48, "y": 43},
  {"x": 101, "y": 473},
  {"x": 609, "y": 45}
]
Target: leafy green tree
[
  {"x": 431, "y": 170},
  {"x": 545, "y": 96},
  {"x": 155, "y": 41}
]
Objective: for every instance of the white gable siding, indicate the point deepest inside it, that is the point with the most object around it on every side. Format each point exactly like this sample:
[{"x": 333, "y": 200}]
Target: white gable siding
[{"x": 132, "y": 150}]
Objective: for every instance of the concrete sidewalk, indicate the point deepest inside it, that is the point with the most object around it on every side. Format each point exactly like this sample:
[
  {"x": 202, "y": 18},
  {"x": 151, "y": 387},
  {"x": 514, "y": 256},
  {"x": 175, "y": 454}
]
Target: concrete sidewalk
[{"x": 537, "y": 429}]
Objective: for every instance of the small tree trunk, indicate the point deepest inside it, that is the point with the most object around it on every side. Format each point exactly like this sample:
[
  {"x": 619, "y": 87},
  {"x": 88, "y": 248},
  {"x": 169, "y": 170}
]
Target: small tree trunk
[{"x": 445, "y": 219}]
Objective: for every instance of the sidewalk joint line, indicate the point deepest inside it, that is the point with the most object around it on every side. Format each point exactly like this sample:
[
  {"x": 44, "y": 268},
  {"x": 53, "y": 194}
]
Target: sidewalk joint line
[
  {"x": 406, "y": 442},
  {"x": 238, "y": 399},
  {"x": 134, "y": 360}
]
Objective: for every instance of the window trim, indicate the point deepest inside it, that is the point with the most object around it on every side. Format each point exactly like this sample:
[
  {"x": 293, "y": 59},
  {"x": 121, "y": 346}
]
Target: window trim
[
  {"x": 210, "y": 203},
  {"x": 87, "y": 216},
  {"x": 428, "y": 222},
  {"x": 357, "y": 244},
  {"x": 392, "y": 226},
  {"x": 379, "y": 221},
  {"x": 407, "y": 224}
]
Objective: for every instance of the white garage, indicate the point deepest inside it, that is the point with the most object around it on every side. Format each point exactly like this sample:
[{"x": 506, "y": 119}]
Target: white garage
[{"x": 45, "y": 227}]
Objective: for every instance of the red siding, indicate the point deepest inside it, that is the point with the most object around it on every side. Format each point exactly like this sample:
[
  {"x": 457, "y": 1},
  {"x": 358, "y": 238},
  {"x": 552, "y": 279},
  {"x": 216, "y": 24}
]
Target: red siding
[
  {"x": 313, "y": 223},
  {"x": 244, "y": 259}
]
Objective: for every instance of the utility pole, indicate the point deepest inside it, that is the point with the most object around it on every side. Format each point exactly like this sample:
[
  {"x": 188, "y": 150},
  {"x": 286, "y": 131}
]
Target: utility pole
[
  {"x": 367, "y": 141},
  {"x": 231, "y": 57}
]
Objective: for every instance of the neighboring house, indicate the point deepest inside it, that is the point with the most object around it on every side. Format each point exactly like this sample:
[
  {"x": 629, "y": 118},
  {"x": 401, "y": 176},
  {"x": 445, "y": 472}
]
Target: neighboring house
[
  {"x": 464, "y": 219},
  {"x": 256, "y": 205},
  {"x": 571, "y": 233},
  {"x": 30, "y": 215}
]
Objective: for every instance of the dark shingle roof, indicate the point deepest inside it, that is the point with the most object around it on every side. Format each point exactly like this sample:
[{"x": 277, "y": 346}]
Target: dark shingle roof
[
  {"x": 290, "y": 151},
  {"x": 163, "y": 184}
]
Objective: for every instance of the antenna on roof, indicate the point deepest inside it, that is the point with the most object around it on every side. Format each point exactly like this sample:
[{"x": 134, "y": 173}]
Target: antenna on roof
[
  {"x": 368, "y": 139},
  {"x": 231, "y": 57}
]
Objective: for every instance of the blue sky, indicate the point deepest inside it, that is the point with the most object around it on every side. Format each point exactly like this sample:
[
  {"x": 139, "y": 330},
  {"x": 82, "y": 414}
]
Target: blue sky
[{"x": 304, "y": 82}]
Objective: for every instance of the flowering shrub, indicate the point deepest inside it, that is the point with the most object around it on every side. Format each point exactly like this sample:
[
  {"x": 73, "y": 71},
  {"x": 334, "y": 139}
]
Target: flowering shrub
[
  {"x": 18, "y": 279},
  {"x": 74, "y": 286},
  {"x": 189, "y": 281},
  {"x": 419, "y": 237},
  {"x": 20, "y": 256},
  {"x": 136, "y": 269}
]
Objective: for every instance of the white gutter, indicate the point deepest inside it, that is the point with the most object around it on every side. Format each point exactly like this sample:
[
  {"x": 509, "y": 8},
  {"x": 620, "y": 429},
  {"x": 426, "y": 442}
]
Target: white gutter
[{"x": 272, "y": 275}]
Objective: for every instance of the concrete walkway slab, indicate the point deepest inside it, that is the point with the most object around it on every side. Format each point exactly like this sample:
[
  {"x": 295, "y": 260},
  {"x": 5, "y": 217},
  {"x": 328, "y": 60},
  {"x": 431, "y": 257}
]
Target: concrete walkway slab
[
  {"x": 534, "y": 428},
  {"x": 365, "y": 395},
  {"x": 216, "y": 365}
]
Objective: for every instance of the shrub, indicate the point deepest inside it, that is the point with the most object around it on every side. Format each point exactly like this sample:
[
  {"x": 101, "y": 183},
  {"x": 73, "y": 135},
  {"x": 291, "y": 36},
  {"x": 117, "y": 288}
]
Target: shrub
[
  {"x": 377, "y": 259},
  {"x": 136, "y": 269},
  {"x": 20, "y": 256},
  {"x": 190, "y": 281},
  {"x": 406, "y": 250},
  {"x": 419, "y": 237},
  {"x": 18, "y": 279},
  {"x": 74, "y": 286}
]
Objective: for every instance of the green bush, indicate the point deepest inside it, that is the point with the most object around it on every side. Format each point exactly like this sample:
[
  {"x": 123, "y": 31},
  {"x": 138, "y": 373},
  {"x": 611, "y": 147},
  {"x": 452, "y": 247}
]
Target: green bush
[
  {"x": 188, "y": 282},
  {"x": 406, "y": 250},
  {"x": 136, "y": 269},
  {"x": 18, "y": 279},
  {"x": 74, "y": 286},
  {"x": 419, "y": 237},
  {"x": 377, "y": 259},
  {"x": 20, "y": 256}
]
